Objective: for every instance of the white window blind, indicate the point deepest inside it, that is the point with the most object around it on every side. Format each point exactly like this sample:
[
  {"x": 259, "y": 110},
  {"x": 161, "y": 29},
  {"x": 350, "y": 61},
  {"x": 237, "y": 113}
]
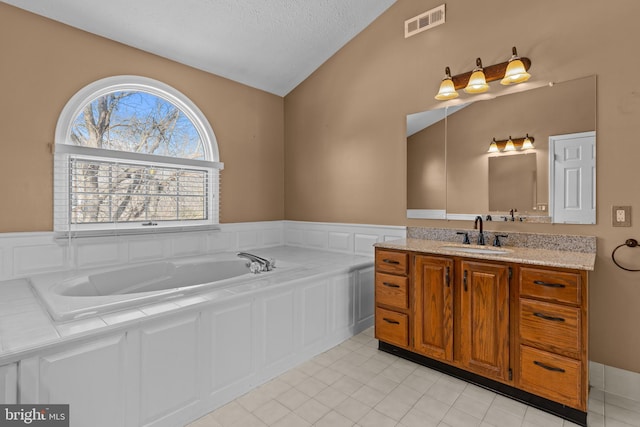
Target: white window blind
[{"x": 110, "y": 192}]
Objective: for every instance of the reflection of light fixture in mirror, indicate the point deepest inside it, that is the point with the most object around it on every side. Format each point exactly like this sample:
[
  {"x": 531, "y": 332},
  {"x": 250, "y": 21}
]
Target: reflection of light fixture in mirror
[
  {"x": 447, "y": 89},
  {"x": 511, "y": 144},
  {"x": 493, "y": 147},
  {"x": 516, "y": 71},
  {"x": 509, "y": 72},
  {"x": 477, "y": 81},
  {"x": 527, "y": 143}
]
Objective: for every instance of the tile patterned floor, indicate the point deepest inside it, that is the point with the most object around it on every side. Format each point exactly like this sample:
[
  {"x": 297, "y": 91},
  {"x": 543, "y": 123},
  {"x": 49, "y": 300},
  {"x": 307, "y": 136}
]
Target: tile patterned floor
[{"x": 355, "y": 385}]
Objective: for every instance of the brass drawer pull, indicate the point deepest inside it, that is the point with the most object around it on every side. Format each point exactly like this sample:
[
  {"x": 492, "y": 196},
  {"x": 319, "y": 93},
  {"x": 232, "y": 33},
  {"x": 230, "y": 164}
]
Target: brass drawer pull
[
  {"x": 545, "y": 317},
  {"x": 547, "y": 367},
  {"x": 390, "y": 285},
  {"x": 393, "y": 322},
  {"x": 549, "y": 285},
  {"x": 390, "y": 261}
]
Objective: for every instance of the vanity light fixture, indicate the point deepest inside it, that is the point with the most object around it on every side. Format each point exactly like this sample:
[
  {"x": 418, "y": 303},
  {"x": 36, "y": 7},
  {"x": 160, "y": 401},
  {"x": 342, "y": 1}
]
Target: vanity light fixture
[
  {"x": 477, "y": 81},
  {"x": 493, "y": 147},
  {"x": 511, "y": 144},
  {"x": 447, "y": 89},
  {"x": 509, "y": 72},
  {"x": 516, "y": 71},
  {"x": 527, "y": 144}
]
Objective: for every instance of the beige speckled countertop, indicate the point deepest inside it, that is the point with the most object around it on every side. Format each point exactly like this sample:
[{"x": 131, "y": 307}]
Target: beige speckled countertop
[{"x": 521, "y": 255}]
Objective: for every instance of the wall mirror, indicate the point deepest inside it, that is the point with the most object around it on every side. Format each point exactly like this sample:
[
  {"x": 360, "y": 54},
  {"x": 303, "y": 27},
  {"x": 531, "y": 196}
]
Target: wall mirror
[{"x": 448, "y": 163}]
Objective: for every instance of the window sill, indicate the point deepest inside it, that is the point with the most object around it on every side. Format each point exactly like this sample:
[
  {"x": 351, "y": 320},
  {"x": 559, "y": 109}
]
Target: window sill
[{"x": 62, "y": 236}]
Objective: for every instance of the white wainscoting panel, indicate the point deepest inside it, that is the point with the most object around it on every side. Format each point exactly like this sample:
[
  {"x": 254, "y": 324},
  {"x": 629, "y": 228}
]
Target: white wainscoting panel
[
  {"x": 171, "y": 343},
  {"x": 364, "y": 243},
  {"x": 316, "y": 239},
  {"x": 9, "y": 384},
  {"x": 39, "y": 258},
  {"x": 279, "y": 329},
  {"x": 315, "y": 317},
  {"x": 294, "y": 236},
  {"x": 188, "y": 244},
  {"x": 343, "y": 303},
  {"x": 147, "y": 249},
  {"x": 231, "y": 345},
  {"x": 103, "y": 253},
  {"x": 24, "y": 254},
  {"x": 64, "y": 377},
  {"x": 348, "y": 238},
  {"x": 340, "y": 241}
]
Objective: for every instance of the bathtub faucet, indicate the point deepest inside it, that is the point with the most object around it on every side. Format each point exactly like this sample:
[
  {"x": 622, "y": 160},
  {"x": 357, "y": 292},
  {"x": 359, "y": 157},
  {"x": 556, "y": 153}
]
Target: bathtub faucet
[{"x": 264, "y": 264}]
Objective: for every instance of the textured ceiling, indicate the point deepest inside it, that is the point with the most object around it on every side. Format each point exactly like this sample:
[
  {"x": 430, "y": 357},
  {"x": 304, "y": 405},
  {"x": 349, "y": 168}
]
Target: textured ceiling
[{"x": 272, "y": 45}]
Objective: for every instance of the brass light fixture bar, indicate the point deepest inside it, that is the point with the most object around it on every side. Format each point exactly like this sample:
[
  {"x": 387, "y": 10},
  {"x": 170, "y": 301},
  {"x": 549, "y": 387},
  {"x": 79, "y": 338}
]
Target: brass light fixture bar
[
  {"x": 509, "y": 72},
  {"x": 491, "y": 73},
  {"x": 511, "y": 144}
]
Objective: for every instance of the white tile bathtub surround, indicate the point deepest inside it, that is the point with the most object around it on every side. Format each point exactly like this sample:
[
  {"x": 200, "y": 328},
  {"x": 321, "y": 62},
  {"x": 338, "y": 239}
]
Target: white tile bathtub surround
[
  {"x": 24, "y": 254},
  {"x": 167, "y": 364}
]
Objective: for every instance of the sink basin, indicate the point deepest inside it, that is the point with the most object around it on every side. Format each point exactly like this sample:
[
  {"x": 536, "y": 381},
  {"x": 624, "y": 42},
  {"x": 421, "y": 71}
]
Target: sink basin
[{"x": 475, "y": 249}]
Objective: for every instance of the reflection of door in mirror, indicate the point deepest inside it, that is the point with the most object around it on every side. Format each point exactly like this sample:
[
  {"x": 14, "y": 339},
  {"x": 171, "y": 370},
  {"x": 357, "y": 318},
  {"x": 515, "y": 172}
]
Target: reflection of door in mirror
[
  {"x": 573, "y": 178},
  {"x": 512, "y": 183}
]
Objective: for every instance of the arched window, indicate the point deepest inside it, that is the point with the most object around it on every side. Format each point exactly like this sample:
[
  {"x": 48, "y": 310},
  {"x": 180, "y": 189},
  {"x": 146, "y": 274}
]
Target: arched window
[{"x": 133, "y": 154}]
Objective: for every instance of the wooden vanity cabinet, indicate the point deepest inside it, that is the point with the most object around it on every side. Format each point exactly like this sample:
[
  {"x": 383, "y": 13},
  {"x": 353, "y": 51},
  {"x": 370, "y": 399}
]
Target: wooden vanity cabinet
[
  {"x": 552, "y": 334},
  {"x": 520, "y": 329},
  {"x": 477, "y": 321},
  {"x": 433, "y": 306},
  {"x": 392, "y": 297},
  {"x": 484, "y": 318}
]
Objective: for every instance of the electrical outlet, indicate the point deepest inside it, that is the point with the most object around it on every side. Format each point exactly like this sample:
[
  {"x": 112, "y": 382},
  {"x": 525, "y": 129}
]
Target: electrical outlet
[{"x": 621, "y": 216}]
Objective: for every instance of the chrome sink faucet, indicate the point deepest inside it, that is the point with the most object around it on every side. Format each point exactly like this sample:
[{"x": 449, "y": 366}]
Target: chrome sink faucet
[
  {"x": 481, "y": 233},
  {"x": 262, "y": 263}
]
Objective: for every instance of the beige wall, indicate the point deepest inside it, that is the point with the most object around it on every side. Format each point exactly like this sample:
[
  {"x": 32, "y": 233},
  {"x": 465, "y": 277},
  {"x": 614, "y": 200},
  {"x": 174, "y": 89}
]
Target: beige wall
[
  {"x": 44, "y": 63},
  {"x": 345, "y": 150}
]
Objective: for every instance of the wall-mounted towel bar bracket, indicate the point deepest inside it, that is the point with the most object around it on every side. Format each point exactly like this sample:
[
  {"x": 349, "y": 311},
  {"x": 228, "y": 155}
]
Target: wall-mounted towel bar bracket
[{"x": 631, "y": 243}]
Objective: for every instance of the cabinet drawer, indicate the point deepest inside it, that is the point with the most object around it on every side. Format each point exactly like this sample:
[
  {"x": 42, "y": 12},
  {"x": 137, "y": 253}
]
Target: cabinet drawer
[
  {"x": 551, "y": 326},
  {"x": 551, "y": 376},
  {"x": 551, "y": 285},
  {"x": 392, "y": 290},
  {"x": 392, "y": 262},
  {"x": 392, "y": 327}
]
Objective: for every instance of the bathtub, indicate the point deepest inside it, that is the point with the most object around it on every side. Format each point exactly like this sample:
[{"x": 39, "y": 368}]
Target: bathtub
[{"x": 94, "y": 292}]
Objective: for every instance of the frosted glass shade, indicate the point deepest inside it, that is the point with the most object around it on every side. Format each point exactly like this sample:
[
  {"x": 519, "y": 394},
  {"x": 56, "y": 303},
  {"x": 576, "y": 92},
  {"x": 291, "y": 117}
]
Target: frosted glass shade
[
  {"x": 515, "y": 73},
  {"x": 527, "y": 144},
  {"x": 447, "y": 90},
  {"x": 493, "y": 148},
  {"x": 510, "y": 146},
  {"x": 477, "y": 83}
]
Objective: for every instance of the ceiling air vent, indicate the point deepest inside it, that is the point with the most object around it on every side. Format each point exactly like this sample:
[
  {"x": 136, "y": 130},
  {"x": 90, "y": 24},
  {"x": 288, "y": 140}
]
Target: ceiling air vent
[{"x": 424, "y": 21}]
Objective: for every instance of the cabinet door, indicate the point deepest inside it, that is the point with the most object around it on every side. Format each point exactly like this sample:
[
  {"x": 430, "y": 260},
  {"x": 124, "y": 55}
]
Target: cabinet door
[
  {"x": 433, "y": 327},
  {"x": 484, "y": 316}
]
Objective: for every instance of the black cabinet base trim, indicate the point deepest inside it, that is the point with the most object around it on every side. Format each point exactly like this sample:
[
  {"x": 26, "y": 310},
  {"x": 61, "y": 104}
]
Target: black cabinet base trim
[{"x": 563, "y": 411}]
